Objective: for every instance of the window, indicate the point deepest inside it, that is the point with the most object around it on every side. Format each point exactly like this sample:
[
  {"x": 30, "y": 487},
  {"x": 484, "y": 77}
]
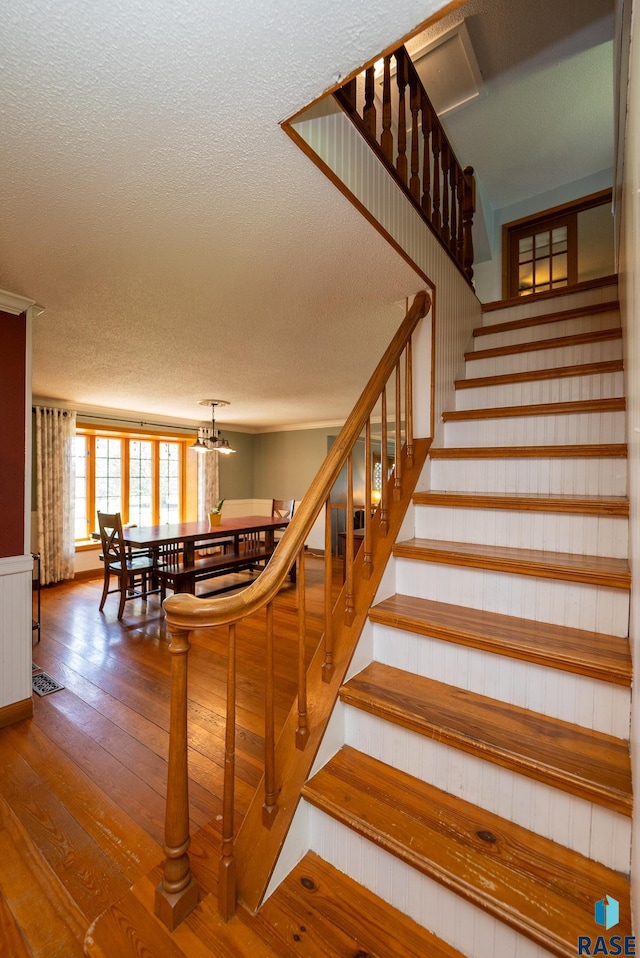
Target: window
[
  {"x": 560, "y": 247},
  {"x": 140, "y": 476},
  {"x": 543, "y": 257}
]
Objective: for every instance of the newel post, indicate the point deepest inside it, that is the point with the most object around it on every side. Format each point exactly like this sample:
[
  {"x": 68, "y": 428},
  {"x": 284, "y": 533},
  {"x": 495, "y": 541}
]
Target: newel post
[{"x": 177, "y": 894}]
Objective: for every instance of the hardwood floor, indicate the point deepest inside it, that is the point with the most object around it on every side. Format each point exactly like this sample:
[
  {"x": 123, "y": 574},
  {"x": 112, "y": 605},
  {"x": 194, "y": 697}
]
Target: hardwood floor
[{"x": 83, "y": 783}]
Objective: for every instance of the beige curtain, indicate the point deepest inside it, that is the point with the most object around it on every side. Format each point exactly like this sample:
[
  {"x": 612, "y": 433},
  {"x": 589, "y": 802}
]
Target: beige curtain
[
  {"x": 207, "y": 482},
  {"x": 207, "y": 488},
  {"x": 54, "y": 469}
]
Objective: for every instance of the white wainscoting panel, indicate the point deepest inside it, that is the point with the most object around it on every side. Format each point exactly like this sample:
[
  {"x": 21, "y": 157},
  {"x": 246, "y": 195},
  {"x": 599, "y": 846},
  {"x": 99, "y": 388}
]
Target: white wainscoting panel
[{"x": 15, "y": 628}]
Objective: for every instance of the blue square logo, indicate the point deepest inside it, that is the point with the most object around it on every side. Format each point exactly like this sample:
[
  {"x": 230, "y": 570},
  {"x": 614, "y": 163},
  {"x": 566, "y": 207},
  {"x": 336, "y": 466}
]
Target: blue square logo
[{"x": 607, "y": 912}]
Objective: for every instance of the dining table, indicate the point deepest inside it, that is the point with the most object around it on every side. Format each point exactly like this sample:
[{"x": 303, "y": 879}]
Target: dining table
[{"x": 202, "y": 532}]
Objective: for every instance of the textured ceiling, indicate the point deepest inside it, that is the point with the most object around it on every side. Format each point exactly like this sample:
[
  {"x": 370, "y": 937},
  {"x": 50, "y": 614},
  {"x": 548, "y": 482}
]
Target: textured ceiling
[{"x": 180, "y": 243}]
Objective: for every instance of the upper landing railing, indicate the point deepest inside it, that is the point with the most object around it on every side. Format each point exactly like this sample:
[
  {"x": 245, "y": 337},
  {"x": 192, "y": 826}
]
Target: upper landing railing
[{"x": 409, "y": 139}]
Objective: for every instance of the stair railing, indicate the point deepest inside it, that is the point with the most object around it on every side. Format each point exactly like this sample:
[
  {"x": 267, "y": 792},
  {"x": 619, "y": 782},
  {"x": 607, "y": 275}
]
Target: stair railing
[
  {"x": 177, "y": 893},
  {"x": 413, "y": 146}
]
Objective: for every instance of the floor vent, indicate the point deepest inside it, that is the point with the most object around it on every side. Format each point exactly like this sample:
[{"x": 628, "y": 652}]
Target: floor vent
[{"x": 43, "y": 684}]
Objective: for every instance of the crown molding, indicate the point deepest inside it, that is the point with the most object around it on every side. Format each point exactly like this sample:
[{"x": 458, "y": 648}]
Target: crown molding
[{"x": 14, "y": 304}]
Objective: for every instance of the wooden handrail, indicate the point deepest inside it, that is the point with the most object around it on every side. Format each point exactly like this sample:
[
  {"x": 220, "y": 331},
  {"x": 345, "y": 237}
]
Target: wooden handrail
[
  {"x": 187, "y": 612},
  {"x": 440, "y": 189}
]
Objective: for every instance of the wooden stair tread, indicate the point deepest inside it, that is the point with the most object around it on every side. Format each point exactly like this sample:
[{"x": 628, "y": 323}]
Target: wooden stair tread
[
  {"x": 594, "y": 570},
  {"x": 617, "y": 404},
  {"x": 603, "y": 657},
  {"x": 535, "y": 345},
  {"x": 534, "y": 885},
  {"x": 593, "y": 450},
  {"x": 543, "y": 318},
  {"x": 326, "y": 913},
  {"x": 551, "y": 372},
  {"x": 530, "y": 502},
  {"x": 589, "y": 764}
]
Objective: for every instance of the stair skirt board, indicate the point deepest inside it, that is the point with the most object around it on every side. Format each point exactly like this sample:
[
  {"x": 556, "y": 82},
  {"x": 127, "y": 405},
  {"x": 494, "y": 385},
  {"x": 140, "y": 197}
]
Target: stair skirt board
[
  {"x": 544, "y": 359},
  {"x": 591, "y": 703},
  {"x": 551, "y": 532},
  {"x": 446, "y": 914},
  {"x": 574, "y": 604},
  {"x": 590, "y": 322},
  {"x": 566, "y": 389},
  {"x": 554, "y": 476},
  {"x": 583, "y": 826},
  {"x": 558, "y": 429}
]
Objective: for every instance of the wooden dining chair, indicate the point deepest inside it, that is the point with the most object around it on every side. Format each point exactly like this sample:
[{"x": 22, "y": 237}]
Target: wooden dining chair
[{"x": 134, "y": 573}]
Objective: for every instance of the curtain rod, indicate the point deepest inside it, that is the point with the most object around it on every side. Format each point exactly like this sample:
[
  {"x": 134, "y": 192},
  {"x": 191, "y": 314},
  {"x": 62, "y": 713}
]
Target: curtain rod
[{"x": 132, "y": 422}]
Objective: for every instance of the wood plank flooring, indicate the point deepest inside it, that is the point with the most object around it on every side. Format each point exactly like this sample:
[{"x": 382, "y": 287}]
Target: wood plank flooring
[{"x": 82, "y": 789}]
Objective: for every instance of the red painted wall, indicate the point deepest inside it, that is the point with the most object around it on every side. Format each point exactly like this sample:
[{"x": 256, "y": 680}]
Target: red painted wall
[{"x": 13, "y": 345}]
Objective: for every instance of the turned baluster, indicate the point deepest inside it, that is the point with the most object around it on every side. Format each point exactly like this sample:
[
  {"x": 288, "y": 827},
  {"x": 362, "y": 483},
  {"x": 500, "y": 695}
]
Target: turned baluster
[
  {"x": 227, "y": 867},
  {"x": 453, "y": 167},
  {"x": 436, "y": 218},
  {"x": 401, "y": 80},
  {"x": 460, "y": 191},
  {"x": 384, "y": 462},
  {"x": 302, "y": 731},
  {"x": 397, "y": 475},
  {"x": 327, "y": 665},
  {"x": 349, "y": 607},
  {"x": 368, "y": 473},
  {"x": 386, "y": 140},
  {"x": 369, "y": 113},
  {"x": 408, "y": 402},
  {"x": 414, "y": 103},
  {"x": 269, "y": 807},
  {"x": 468, "y": 210},
  {"x": 177, "y": 894},
  {"x": 444, "y": 163},
  {"x": 426, "y": 156}
]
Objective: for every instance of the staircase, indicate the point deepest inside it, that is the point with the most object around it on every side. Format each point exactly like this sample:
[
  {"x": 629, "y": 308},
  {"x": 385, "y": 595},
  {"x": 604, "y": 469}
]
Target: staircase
[
  {"x": 472, "y": 796},
  {"x": 484, "y": 785}
]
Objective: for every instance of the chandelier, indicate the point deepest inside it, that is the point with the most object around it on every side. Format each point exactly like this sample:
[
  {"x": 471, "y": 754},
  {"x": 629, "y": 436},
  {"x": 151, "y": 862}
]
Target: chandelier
[{"x": 211, "y": 440}]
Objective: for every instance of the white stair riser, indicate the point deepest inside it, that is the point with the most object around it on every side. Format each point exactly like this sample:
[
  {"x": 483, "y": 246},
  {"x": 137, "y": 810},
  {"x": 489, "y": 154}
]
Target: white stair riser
[
  {"x": 561, "y": 430},
  {"x": 553, "y": 357},
  {"x": 575, "y": 604},
  {"x": 563, "y": 327},
  {"x": 564, "y": 389},
  {"x": 579, "y": 477},
  {"x": 446, "y": 914},
  {"x": 524, "y": 309},
  {"x": 550, "y": 812},
  {"x": 563, "y": 695},
  {"x": 548, "y": 531}
]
